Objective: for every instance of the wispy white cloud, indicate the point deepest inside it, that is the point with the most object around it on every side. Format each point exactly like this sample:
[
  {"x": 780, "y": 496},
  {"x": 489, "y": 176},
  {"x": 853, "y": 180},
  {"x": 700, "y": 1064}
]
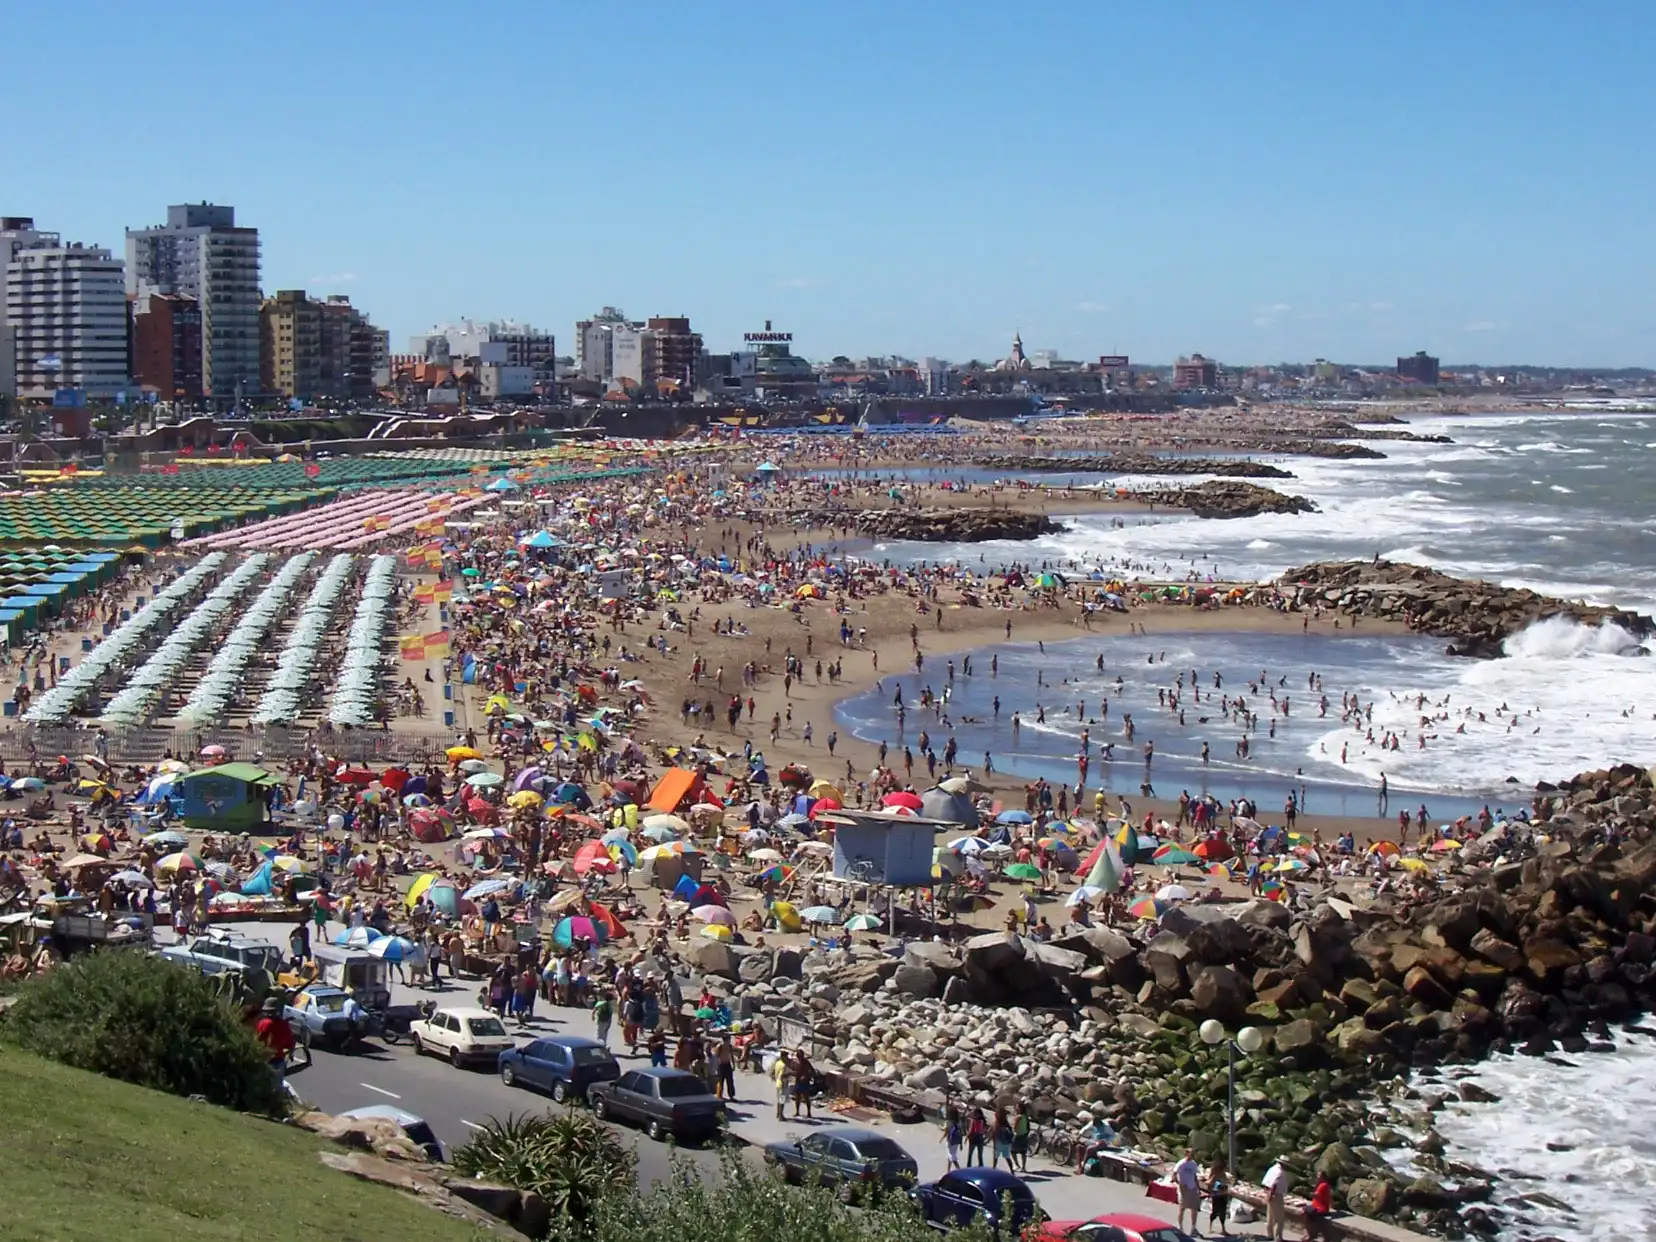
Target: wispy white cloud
[{"x": 1280, "y": 308}]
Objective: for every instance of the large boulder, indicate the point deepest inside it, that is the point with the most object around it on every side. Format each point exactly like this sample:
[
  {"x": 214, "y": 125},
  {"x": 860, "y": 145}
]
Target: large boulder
[
  {"x": 866, "y": 975},
  {"x": 713, "y": 957},
  {"x": 754, "y": 965},
  {"x": 1217, "y": 992},
  {"x": 1166, "y": 956},
  {"x": 941, "y": 958},
  {"x": 1212, "y": 934},
  {"x": 1370, "y": 1196},
  {"x": 916, "y": 980},
  {"x": 1487, "y": 945}
]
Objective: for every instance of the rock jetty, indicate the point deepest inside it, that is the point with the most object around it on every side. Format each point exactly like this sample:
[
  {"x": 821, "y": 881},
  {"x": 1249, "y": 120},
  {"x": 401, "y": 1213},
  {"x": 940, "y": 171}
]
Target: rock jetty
[
  {"x": 964, "y": 525},
  {"x": 1222, "y": 498},
  {"x": 1531, "y": 939},
  {"x": 1137, "y": 463},
  {"x": 1478, "y": 616}
]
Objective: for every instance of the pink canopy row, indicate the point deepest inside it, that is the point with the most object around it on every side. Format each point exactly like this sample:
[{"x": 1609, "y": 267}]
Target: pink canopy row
[{"x": 359, "y": 520}]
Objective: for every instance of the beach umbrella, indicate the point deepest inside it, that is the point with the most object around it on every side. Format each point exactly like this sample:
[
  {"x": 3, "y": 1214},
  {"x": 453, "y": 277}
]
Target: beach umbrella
[
  {"x": 167, "y": 839},
  {"x": 863, "y": 922},
  {"x": 468, "y": 766},
  {"x": 29, "y": 783},
  {"x": 667, "y": 849},
  {"x": 787, "y": 916},
  {"x": 1148, "y": 908},
  {"x": 1103, "y": 868},
  {"x": 661, "y": 834},
  {"x": 1220, "y": 871},
  {"x": 1173, "y": 856},
  {"x": 1384, "y": 847},
  {"x": 486, "y": 834},
  {"x": 445, "y": 896},
  {"x": 673, "y": 822},
  {"x": 716, "y": 931},
  {"x": 457, "y": 754},
  {"x": 214, "y": 753},
  {"x": 820, "y": 914},
  {"x": 524, "y": 799},
  {"x": 1024, "y": 871},
  {"x": 1172, "y": 892},
  {"x": 1416, "y": 865},
  {"x": 765, "y": 855},
  {"x": 1445, "y": 845},
  {"x": 133, "y": 879},
  {"x": 903, "y": 798},
  {"x": 356, "y": 937},
  {"x": 781, "y": 873},
  {"x": 488, "y": 888},
  {"x": 1288, "y": 865},
  {"x": 713, "y": 914},
  {"x": 615, "y": 834},
  {"x": 968, "y": 845},
  {"x": 1213, "y": 850},
  {"x": 593, "y": 856},
  {"x": 1014, "y": 817},
  {"x": 418, "y": 889},
  {"x": 415, "y": 801},
  {"x": 287, "y": 862},
  {"x": 179, "y": 862},
  {"x": 567, "y": 899},
  {"x": 485, "y": 780},
  {"x": 1273, "y": 890},
  {"x": 578, "y": 926},
  {"x": 1085, "y": 893},
  {"x": 822, "y": 788},
  {"x": 571, "y": 794},
  {"x": 396, "y": 949},
  {"x": 623, "y": 850}
]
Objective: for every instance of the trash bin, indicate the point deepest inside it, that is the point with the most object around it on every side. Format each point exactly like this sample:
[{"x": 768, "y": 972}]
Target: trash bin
[{"x": 448, "y": 717}]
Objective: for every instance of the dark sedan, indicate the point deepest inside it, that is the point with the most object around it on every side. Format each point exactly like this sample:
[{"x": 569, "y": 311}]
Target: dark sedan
[
  {"x": 963, "y": 1195},
  {"x": 565, "y": 1065},
  {"x": 663, "y": 1101},
  {"x": 854, "y": 1161}
]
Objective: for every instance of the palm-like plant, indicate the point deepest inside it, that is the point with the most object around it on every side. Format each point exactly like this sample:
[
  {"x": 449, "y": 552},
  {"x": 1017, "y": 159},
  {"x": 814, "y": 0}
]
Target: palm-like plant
[{"x": 570, "y": 1160}]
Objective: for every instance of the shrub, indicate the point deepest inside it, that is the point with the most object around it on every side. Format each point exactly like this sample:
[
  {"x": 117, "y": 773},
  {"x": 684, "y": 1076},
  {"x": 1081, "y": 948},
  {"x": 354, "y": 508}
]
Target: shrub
[
  {"x": 570, "y": 1160},
  {"x": 742, "y": 1204},
  {"x": 145, "y": 1021}
]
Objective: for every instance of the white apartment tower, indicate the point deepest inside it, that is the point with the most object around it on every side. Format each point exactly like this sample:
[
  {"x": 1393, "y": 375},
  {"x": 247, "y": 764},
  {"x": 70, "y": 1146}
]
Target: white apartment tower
[
  {"x": 201, "y": 253},
  {"x": 595, "y": 344},
  {"x": 66, "y": 312},
  {"x": 16, "y": 233}
]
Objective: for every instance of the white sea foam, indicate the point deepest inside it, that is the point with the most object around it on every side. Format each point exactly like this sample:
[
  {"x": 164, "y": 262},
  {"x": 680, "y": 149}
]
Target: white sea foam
[
  {"x": 1578, "y": 1129},
  {"x": 1563, "y": 699}
]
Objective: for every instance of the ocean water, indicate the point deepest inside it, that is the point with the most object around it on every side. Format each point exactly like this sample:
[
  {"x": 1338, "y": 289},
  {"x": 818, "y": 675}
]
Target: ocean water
[
  {"x": 1578, "y": 1130},
  {"x": 1560, "y": 503}
]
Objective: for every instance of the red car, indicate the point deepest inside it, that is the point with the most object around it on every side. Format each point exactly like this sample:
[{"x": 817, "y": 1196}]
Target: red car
[{"x": 1111, "y": 1227}]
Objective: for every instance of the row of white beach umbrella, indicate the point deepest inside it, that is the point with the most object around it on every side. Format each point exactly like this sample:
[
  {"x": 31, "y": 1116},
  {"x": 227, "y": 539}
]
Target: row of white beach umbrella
[
  {"x": 357, "y": 689},
  {"x": 134, "y": 702},
  {"x": 218, "y": 685},
  {"x": 57, "y": 705},
  {"x": 283, "y": 698}
]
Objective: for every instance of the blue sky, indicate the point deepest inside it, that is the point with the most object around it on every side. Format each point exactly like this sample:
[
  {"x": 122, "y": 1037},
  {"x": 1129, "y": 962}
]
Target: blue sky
[{"x": 1258, "y": 181}]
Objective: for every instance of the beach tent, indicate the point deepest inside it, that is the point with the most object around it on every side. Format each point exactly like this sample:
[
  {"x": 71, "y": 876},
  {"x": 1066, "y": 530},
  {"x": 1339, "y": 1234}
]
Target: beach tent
[
  {"x": 956, "y": 808},
  {"x": 675, "y": 789},
  {"x": 230, "y": 797}
]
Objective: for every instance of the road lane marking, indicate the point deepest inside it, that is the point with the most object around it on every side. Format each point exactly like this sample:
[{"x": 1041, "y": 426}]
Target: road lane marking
[
  {"x": 472, "y": 1124},
  {"x": 370, "y": 1086}
]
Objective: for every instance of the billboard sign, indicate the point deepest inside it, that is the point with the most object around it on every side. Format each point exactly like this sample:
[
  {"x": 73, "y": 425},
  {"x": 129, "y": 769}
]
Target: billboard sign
[
  {"x": 1112, "y": 362},
  {"x": 768, "y": 338},
  {"x": 68, "y": 398}
]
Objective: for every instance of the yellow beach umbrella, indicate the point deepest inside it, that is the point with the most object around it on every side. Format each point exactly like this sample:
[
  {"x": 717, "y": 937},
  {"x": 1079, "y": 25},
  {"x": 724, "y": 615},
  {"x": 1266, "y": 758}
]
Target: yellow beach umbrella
[{"x": 417, "y": 889}]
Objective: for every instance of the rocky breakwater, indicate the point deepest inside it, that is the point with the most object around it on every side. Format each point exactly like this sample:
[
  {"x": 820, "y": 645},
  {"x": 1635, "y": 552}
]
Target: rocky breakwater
[
  {"x": 975, "y": 524},
  {"x": 1137, "y": 463},
  {"x": 1534, "y": 943},
  {"x": 1221, "y": 498},
  {"x": 1478, "y": 616}
]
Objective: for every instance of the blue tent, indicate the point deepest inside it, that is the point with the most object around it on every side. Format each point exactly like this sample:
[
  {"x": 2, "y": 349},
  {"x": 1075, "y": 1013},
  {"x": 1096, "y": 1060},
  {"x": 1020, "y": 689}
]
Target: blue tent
[
  {"x": 686, "y": 888},
  {"x": 260, "y": 883},
  {"x": 543, "y": 539},
  {"x": 502, "y": 484}
]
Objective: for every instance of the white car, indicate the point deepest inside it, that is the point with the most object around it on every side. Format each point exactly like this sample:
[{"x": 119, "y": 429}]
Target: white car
[{"x": 462, "y": 1035}]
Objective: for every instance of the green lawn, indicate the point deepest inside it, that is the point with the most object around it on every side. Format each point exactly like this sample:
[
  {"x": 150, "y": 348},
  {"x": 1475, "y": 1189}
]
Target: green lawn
[{"x": 88, "y": 1159}]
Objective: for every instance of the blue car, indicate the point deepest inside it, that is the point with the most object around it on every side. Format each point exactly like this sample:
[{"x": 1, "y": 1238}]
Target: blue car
[
  {"x": 565, "y": 1065},
  {"x": 963, "y": 1195}
]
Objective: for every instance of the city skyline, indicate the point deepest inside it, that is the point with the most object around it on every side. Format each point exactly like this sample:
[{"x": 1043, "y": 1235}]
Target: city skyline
[{"x": 1260, "y": 186}]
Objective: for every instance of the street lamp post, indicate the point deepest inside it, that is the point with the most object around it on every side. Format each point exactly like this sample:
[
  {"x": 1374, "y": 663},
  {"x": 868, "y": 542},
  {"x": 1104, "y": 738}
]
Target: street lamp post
[{"x": 1248, "y": 1041}]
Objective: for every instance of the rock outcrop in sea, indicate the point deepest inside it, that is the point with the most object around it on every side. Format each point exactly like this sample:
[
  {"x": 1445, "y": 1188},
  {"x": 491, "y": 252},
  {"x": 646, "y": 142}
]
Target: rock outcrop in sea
[
  {"x": 1224, "y": 498},
  {"x": 1135, "y": 463},
  {"x": 941, "y": 525},
  {"x": 1478, "y": 616}
]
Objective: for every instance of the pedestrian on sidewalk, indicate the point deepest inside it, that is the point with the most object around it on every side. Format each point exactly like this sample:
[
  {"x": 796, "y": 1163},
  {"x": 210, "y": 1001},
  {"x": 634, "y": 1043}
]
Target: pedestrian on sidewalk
[
  {"x": 1187, "y": 1179},
  {"x": 804, "y": 1083},
  {"x": 1276, "y": 1200},
  {"x": 952, "y": 1134},
  {"x": 603, "y": 1013},
  {"x": 977, "y": 1133},
  {"x": 1020, "y": 1138},
  {"x": 779, "y": 1075},
  {"x": 1218, "y": 1189},
  {"x": 1001, "y": 1135}
]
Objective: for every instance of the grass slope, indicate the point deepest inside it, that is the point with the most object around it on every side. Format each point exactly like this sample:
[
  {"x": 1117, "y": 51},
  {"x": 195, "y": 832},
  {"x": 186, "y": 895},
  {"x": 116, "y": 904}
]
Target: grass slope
[{"x": 89, "y": 1159}]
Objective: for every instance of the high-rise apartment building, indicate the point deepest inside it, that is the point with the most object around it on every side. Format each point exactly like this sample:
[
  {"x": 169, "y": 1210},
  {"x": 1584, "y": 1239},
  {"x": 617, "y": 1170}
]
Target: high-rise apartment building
[
  {"x": 595, "y": 344},
  {"x": 200, "y": 252},
  {"x": 318, "y": 349},
  {"x": 1195, "y": 372},
  {"x": 16, "y": 233},
  {"x": 66, "y": 312},
  {"x": 1422, "y": 368},
  {"x": 678, "y": 351},
  {"x": 166, "y": 346},
  {"x": 290, "y": 327}
]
